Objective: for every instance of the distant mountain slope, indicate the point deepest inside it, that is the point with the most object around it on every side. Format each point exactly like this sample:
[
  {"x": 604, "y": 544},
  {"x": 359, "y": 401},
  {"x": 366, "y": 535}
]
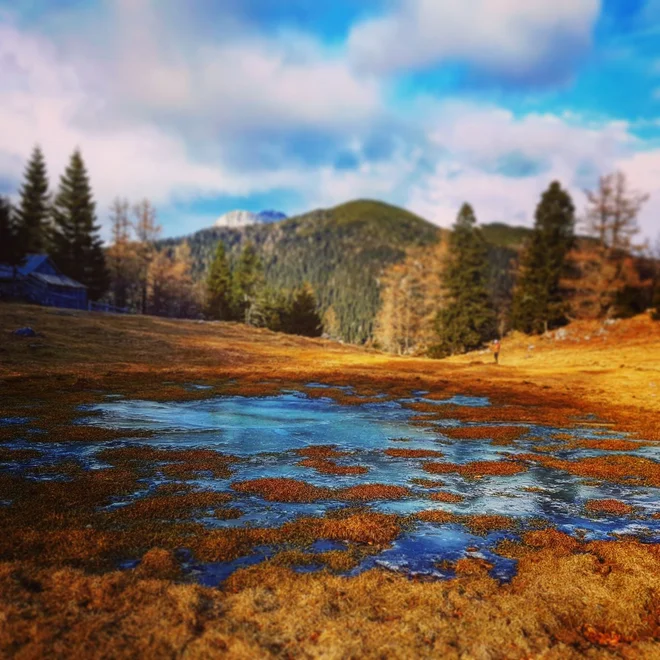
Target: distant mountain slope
[{"x": 339, "y": 251}]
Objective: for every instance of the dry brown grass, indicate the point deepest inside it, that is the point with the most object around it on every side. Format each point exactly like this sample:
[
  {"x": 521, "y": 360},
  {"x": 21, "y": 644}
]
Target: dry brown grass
[
  {"x": 413, "y": 453},
  {"x": 450, "y": 498},
  {"x": 569, "y": 599},
  {"x": 476, "y": 469},
  {"x": 610, "y": 507},
  {"x": 559, "y": 606}
]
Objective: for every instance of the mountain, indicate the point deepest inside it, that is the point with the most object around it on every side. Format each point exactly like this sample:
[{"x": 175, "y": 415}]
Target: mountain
[
  {"x": 339, "y": 251},
  {"x": 272, "y": 216},
  {"x": 236, "y": 219}
]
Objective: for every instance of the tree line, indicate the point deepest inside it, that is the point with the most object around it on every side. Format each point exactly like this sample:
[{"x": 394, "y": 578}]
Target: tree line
[
  {"x": 557, "y": 276},
  {"x": 63, "y": 225},
  {"x": 134, "y": 273},
  {"x": 242, "y": 294}
]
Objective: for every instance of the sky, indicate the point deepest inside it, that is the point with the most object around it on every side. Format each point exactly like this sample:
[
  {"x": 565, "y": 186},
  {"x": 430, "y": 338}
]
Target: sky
[{"x": 205, "y": 106}]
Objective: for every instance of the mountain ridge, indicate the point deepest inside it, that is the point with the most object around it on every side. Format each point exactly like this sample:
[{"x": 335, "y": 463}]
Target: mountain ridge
[{"x": 340, "y": 251}]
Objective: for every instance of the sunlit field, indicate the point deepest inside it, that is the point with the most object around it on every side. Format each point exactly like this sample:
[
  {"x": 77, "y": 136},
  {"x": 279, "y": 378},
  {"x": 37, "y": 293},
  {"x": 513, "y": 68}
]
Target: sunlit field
[{"x": 179, "y": 488}]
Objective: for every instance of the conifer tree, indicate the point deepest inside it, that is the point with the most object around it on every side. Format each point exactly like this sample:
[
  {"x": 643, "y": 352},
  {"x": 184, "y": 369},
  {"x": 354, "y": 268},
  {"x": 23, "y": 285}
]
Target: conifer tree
[
  {"x": 467, "y": 319},
  {"x": 248, "y": 280},
  {"x": 302, "y": 317},
  {"x": 538, "y": 302},
  {"x": 77, "y": 247},
  {"x": 33, "y": 212},
  {"x": 270, "y": 309},
  {"x": 219, "y": 286},
  {"x": 10, "y": 250}
]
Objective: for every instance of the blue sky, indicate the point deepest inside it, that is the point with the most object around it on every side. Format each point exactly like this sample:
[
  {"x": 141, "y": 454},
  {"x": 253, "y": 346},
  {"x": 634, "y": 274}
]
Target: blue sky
[{"x": 205, "y": 106}]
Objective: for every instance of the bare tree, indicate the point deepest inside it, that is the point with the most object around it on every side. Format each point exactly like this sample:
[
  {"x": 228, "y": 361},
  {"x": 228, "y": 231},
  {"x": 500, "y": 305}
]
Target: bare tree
[
  {"x": 611, "y": 218},
  {"x": 121, "y": 253},
  {"x": 147, "y": 231}
]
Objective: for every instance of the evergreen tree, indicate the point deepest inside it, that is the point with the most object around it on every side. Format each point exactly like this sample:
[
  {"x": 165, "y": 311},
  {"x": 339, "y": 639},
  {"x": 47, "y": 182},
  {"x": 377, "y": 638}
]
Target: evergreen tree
[
  {"x": 302, "y": 317},
  {"x": 219, "y": 286},
  {"x": 76, "y": 241},
  {"x": 538, "y": 301},
  {"x": 33, "y": 212},
  {"x": 10, "y": 251},
  {"x": 467, "y": 319},
  {"x": 248, "y": 280},
  {"x": 270, "y": 309}
]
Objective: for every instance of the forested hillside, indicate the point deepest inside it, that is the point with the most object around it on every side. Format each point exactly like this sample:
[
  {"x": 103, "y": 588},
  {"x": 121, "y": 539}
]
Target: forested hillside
[{"x": 341, "y": 252}]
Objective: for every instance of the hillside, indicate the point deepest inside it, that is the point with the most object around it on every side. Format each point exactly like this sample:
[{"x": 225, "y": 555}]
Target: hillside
[
  {"x": 339, "y": 251},
  {"x": 342, "y": 252}
]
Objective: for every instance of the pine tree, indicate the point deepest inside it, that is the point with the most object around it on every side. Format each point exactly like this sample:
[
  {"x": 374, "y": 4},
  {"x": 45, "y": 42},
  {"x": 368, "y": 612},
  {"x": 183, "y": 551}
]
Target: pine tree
[
  {"x": 248, "y": 280},
  {"x": 538, "y": 301},
  {"x": 467, "y": 319},
  {"x": 219, "y": 286},
  {"x": 270, "y": 309},
  {"x": 10, "y": 250},
  {"x": 302, "y": 317},
  {"x": 33, "y": 212},
  {"x": 77, "y": 247}
]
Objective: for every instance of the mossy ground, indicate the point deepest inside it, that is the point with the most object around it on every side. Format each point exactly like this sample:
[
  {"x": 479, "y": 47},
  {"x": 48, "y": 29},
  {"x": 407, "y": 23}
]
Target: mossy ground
[{"x": 60, "y": 594}]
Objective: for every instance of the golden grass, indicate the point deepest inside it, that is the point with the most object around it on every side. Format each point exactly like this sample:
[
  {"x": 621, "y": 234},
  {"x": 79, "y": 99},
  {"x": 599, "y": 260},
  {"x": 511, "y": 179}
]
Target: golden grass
[
  {"x": 501, "y": 435},
  {"x": 413, "y": 453},
  {"x": 476, "y": 469},
  {"x": 610, "y": 507},
  {"x": 560, "y": 606},
  {"x": 633, "y": 470},
  {"x": 450, "y": 498},
  {"x": 569, "y": 599}
]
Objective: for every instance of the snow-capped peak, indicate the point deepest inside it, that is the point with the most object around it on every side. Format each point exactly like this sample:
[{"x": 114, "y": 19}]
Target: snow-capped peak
[{"x": 235, "y": 219}]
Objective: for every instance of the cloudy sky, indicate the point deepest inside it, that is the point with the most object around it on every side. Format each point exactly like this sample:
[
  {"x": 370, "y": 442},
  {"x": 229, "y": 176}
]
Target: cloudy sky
[{"x": 205, "y": 106}]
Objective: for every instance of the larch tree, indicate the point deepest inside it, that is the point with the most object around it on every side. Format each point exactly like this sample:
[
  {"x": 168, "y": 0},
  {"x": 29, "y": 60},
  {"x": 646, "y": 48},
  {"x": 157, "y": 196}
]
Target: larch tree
[
  {"x": 33, "y": 210},
  {"x": 411, "y": 294},
  {"x": 467, "y": 318},
  {"x": 147, "y": 230},
  {"x": 611, "y": 218},
  {"x": 538, "y": 301},
  {"x": 77, "y": 246},
  {"x": 219, "y": 286},
  {"x": 121, "y": 254}
]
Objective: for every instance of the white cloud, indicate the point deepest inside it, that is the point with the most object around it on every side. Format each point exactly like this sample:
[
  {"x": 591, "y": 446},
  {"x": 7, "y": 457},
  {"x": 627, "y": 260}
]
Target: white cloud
[
  {"x": 570, "y": 150},
  {"x": 40, "y": 101},
  {"x": 237, "y": 81},
  {"x": 511, "y": 37}
]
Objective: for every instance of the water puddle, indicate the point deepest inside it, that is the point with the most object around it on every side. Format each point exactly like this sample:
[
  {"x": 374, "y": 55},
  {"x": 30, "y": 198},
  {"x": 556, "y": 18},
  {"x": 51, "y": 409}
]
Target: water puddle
[{"x": 267, "y": 433}]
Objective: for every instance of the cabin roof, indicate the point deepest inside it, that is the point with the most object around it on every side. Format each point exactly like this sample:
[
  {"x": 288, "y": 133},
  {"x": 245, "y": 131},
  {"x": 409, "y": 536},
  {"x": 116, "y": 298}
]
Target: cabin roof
[{"x": 32, "y": 266}]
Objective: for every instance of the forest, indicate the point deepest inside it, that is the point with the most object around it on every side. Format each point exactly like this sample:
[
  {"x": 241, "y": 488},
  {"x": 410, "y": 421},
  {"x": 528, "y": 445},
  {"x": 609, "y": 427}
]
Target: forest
[{"x": 364, "y": 272}]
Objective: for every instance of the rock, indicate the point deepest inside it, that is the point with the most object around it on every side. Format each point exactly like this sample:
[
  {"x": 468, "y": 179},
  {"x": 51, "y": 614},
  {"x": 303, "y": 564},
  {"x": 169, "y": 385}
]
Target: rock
[
  {"x": 25, "y": 332},
  {"x": 531, "y": 347},
  {"x": 561, "y": 334}
]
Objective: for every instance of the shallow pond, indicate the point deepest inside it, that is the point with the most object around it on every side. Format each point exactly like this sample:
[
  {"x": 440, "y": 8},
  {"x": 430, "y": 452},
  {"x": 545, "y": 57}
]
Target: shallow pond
[{"x": 264, "y": 433}]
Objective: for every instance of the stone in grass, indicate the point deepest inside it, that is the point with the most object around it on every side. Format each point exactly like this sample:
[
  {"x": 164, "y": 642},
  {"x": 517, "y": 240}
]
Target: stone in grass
[{"x": 25, "y": 332}]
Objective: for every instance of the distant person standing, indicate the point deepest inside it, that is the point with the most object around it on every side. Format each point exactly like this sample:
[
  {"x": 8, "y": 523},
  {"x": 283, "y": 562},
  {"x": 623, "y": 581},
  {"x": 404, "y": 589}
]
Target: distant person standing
[{"x": 496, "y": 350}]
